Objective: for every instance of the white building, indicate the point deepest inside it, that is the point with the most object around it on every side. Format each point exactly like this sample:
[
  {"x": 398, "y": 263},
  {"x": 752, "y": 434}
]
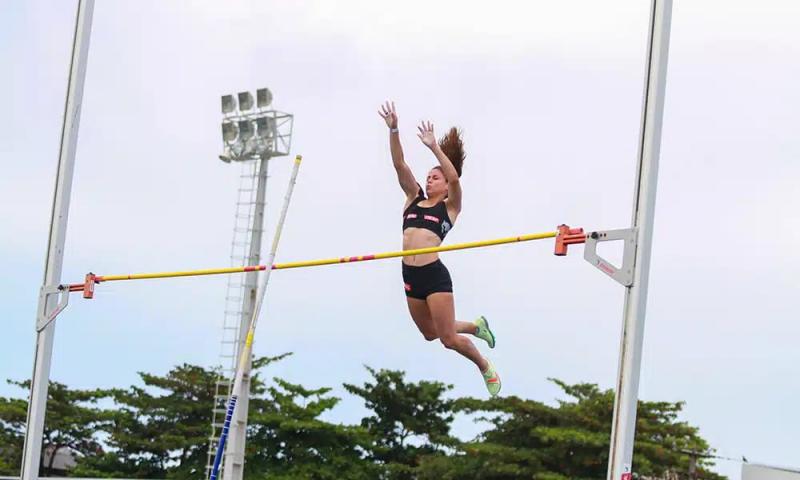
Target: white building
[{"x": 753, "y": 471}]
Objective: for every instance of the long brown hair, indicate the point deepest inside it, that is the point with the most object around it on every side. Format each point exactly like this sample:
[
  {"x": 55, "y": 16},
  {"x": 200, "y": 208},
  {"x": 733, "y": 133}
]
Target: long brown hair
[{"x": 452, "y": 146}]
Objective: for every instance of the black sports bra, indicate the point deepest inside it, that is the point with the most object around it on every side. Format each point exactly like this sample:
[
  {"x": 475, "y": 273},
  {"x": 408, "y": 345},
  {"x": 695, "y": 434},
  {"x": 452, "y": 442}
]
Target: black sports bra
[{"x": 433, "y": 218}]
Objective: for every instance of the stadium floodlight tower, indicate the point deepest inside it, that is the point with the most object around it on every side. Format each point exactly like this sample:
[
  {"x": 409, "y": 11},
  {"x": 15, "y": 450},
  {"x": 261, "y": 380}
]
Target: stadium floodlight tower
[{"x": 251, "y": 134}]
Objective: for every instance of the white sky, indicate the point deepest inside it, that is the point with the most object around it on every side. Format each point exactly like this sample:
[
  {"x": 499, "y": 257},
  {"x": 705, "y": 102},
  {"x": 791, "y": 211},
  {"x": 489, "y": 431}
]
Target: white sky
[{"x": 549, "y": 97}]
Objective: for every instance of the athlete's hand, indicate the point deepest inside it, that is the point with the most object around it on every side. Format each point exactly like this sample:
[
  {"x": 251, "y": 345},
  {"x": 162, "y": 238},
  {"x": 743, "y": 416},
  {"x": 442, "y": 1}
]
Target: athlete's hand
[
  {"x": 389, "y": 115},
  {"x": 426, "y": 134}
]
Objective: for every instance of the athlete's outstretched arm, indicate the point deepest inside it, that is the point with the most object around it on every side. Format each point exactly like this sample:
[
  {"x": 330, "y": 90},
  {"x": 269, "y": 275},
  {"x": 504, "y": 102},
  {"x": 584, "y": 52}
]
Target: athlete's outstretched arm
[
  {"x": 407, "y": 181},
  {"x": 453, "y": 182}
]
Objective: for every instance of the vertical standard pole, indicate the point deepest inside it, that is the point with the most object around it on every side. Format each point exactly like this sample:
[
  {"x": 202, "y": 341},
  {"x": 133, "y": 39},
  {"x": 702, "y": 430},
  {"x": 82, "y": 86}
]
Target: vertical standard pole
[
  {"x": 40, "y": 380},
  {"x": 234, "y": 455},
  {"x": 625, "y": 403}
]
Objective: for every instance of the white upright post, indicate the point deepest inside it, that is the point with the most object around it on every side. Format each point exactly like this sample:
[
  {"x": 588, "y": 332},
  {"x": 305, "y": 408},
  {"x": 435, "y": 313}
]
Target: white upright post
[
  {"x": 233, "y": 466},
  {"x": 627, "y": 388},
  {"x": 37, "y": 403}
]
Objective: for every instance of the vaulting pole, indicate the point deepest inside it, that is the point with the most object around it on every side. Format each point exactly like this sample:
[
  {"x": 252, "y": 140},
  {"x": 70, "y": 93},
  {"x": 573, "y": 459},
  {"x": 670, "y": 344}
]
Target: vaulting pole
[{"x": 243, "y": 370}]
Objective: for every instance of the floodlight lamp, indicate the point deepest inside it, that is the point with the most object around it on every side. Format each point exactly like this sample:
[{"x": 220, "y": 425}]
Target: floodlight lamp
[
  {"x": 245, "y": 130},
  {"x": 228, "y": 104},
  {"x": 263, "y": 97},
  {"x": 235, "y": 151},
  {"x": 229, "y": 132},
  {"x": 265, "y": 127},
  {"x": 245, "y": 101},
  {"x": 250, "y": 151}
]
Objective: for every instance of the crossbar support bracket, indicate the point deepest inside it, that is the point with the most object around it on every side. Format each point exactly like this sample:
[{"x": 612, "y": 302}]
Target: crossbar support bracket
[
  {"x": 622, "y": 274},
  {"x": 45, "y": 318}
]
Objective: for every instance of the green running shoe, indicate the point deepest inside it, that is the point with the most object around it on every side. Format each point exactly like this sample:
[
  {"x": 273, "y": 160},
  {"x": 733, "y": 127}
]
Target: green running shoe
[
  {"x": 482, "y": 331},
  {"x": 492, "y": 380}
]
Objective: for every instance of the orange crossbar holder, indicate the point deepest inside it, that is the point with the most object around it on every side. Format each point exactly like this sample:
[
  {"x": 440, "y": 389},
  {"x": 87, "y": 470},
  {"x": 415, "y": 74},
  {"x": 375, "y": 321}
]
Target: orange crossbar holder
[
  {"x": 568, "y": 236},
  {"x": 565, "y": 236}
]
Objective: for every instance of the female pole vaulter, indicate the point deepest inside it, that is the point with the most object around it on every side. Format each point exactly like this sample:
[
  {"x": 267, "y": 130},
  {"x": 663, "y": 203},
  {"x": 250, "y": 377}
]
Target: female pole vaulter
[{"x": 427, "y": 217}]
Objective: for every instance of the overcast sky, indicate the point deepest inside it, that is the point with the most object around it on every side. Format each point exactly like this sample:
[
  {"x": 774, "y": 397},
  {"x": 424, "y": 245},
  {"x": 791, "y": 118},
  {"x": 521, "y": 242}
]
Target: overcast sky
[{"x": 549, "y": 98}]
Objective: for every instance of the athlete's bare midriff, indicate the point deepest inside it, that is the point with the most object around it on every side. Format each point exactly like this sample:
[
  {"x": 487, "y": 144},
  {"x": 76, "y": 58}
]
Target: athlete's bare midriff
[{"x": 414, "y": 238}]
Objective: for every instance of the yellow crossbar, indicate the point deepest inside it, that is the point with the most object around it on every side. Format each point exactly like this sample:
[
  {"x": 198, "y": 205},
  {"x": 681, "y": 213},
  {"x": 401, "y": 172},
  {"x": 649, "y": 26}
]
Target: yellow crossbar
[{"x": 330, "y": 261}]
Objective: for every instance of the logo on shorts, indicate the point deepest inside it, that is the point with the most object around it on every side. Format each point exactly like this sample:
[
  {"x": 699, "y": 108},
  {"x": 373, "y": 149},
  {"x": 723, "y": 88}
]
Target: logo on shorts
[{"x": 408, "y": 287}]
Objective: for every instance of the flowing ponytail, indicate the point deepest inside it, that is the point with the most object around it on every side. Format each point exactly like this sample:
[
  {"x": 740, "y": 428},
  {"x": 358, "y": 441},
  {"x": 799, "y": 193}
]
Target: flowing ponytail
[{"x": 452, "y": 146}]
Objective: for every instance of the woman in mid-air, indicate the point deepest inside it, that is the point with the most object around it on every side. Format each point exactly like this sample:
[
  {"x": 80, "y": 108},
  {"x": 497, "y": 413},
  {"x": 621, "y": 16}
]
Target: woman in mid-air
[{"x": 427, "y": 217}]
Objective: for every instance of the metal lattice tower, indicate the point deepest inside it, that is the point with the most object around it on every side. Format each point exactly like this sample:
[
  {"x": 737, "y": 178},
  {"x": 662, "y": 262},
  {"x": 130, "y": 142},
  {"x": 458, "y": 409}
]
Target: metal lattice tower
[
  {"x": 246, "y": 206},
  {"x": 253, "y": 133}
]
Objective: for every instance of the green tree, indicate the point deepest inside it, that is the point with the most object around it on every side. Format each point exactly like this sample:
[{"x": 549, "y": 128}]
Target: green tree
[
  {"x": 288, "y": 440},
  {"x": 12, "y": 425},
  {"x": 529, "y": 439},
  {"x": 71, "y": 425},
  {"x": 159, "y": 430},
  {"x": 409, "y": 420}
]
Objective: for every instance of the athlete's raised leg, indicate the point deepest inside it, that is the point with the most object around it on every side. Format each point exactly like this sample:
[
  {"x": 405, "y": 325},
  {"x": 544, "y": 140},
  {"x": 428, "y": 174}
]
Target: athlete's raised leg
[{"x": 442, "y": 310}]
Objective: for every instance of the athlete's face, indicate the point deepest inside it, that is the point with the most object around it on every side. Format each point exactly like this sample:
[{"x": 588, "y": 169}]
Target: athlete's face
[{"x": 436, "y": 184}]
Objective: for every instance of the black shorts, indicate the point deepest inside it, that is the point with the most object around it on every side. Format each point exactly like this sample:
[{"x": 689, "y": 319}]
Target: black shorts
[{"x": 427, "y": 279}]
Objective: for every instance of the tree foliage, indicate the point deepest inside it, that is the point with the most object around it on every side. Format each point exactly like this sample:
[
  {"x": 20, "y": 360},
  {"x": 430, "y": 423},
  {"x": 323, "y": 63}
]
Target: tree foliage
[
  {"x": 160, "y": 429},
  {"x": 529, "y": 439},
  {"x": 157, "y": 431},
  {"x": 71, "y": 425},
  {"x": 288, "y": 439},
  {"x": 408, "y": 421}
]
